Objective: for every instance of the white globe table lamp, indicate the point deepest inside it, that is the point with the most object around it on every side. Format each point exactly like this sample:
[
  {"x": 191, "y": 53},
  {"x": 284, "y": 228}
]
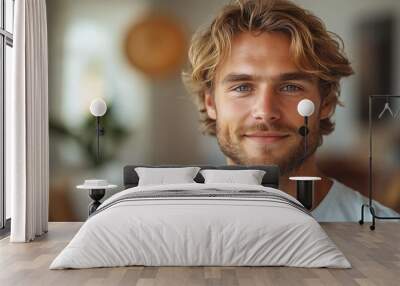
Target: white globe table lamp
[
  {"x": 98, "y": 107},
  {"x": 305, "y": 108}
]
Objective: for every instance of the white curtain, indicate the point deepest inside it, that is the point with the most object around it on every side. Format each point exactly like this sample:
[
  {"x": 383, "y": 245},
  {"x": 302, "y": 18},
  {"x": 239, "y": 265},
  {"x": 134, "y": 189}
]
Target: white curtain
[{"x": 27, "y": 137}]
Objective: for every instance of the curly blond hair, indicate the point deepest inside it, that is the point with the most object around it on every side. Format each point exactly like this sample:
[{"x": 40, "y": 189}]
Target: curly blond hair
[{"x": 315, "y": 50}]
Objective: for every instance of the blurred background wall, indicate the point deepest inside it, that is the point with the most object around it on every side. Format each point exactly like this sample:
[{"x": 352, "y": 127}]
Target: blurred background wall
[{"x": 152, "y": 120}]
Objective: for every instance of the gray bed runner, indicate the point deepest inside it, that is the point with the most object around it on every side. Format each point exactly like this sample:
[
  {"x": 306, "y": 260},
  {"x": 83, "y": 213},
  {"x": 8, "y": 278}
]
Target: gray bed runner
[{"x": 206, "y": 194}]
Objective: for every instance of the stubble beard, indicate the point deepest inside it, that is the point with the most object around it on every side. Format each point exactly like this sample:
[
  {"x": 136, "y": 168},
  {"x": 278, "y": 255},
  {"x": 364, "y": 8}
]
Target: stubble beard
[{"x": 289, "y": 162}]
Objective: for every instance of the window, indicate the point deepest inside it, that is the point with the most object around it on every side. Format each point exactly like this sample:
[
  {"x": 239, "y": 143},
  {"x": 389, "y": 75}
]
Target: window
[{"x": 6, "y": 44}]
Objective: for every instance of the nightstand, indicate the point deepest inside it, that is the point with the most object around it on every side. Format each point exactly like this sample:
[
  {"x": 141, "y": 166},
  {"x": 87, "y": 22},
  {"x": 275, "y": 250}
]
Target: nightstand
[{"x": 97, "y": 190}]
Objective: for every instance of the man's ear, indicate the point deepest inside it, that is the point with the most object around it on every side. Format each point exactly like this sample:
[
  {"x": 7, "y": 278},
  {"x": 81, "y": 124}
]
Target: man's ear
[
  {"x": 327, "y": 108},
  {"x": 209, "y": 103}
]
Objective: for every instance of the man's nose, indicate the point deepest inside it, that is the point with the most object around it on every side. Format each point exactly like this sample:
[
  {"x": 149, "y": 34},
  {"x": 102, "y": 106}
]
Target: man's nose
[{"x": 267, "y": 106}]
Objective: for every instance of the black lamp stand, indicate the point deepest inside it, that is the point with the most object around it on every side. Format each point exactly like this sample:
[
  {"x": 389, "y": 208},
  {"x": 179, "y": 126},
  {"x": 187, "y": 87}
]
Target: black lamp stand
[
  {"x": 303, "y": 130},
  {"x": 96, "y": 195},
  {"x": 305, "y": 193},
  {"x": 99, "y": 132},
  {"x": 370, "y": 188}
]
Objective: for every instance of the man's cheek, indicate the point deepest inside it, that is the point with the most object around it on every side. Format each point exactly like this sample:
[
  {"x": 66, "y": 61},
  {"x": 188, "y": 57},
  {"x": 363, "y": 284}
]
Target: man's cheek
[
  {"x": 227, "y": 114},
  {"x": 231, "y": 109}
]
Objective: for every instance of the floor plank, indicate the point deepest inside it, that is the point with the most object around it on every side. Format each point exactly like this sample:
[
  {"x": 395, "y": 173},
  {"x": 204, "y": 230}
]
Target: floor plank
[{"x": 374, "y": 255}]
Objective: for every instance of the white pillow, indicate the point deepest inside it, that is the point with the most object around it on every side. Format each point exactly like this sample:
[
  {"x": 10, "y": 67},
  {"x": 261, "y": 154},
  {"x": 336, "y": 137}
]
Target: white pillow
[
  {"x": 162, "y": 176},
  {"x": 248, "y": 177}
]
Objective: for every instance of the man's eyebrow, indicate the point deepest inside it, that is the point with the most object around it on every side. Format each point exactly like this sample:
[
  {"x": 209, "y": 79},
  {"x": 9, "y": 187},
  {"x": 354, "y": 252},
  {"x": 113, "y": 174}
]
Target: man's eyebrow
[
  {"x": 234, "y": 77},
  {"x": 237, "y": 77},
  {"x": 296, "y": 76}
]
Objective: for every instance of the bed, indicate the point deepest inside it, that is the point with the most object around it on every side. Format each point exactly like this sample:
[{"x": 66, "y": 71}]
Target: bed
[{"x": 201, "y": 224}]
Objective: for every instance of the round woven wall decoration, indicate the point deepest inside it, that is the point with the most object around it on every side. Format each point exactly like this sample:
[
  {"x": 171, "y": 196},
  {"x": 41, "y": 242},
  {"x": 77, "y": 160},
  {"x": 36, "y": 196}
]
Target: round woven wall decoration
[{"x": 156, "y": 45}]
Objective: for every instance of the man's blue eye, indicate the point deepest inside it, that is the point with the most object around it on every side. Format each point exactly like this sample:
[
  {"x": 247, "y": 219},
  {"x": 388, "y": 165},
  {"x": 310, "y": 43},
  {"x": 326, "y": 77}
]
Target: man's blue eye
[
  {"x": 242, "y": 88},
  {"x": 290, "y": 88}
]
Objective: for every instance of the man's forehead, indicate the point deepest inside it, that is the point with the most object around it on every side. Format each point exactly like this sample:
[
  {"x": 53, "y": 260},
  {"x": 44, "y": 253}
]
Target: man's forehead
[
  {"x": 275, "y": 39},
  {"x": 295, "y": 75},
  {"x": 260, "y": 56},
  {"x": 269, "y": 46}
]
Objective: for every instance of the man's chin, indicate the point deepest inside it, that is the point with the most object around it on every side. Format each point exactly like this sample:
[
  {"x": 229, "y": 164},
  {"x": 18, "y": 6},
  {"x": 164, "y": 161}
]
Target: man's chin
[
  {"x": 260, "y": 159},
  {"x": 263, "y": 152},
  {"x": 286, "y": 162}
]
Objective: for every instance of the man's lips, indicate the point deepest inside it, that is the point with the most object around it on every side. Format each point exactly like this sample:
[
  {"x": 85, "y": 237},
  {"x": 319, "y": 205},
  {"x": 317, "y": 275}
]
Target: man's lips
[{"x": 266, "y": 137}]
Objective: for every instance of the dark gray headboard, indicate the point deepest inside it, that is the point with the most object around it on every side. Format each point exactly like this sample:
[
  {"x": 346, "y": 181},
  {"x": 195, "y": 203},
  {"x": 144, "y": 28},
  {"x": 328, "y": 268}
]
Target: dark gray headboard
[{"x": 270, "y": 179}]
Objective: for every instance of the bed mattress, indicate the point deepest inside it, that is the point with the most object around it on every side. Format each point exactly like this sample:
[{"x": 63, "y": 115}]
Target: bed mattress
[{"x": 201, "y": 225}]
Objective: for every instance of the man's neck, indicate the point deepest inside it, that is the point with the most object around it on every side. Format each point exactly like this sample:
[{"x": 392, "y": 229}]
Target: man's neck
[{"x": 308, "y": 168}]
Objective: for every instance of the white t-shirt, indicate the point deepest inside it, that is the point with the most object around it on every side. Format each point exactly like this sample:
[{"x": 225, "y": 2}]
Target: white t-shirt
[{"x": 344, "y": 204}]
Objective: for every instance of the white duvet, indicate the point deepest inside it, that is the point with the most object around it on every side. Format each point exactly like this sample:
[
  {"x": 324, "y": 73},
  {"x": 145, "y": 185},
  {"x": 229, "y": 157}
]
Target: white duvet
[{"x": 200, "y": 231}]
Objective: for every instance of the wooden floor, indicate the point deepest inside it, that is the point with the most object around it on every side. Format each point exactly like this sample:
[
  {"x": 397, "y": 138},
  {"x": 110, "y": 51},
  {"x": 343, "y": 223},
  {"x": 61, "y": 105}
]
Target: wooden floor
[{"x": 374, "y": 255}]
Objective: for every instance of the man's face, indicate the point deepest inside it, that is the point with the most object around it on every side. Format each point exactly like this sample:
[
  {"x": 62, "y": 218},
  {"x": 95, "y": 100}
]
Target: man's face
[{"x": 254, "y": 101}]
